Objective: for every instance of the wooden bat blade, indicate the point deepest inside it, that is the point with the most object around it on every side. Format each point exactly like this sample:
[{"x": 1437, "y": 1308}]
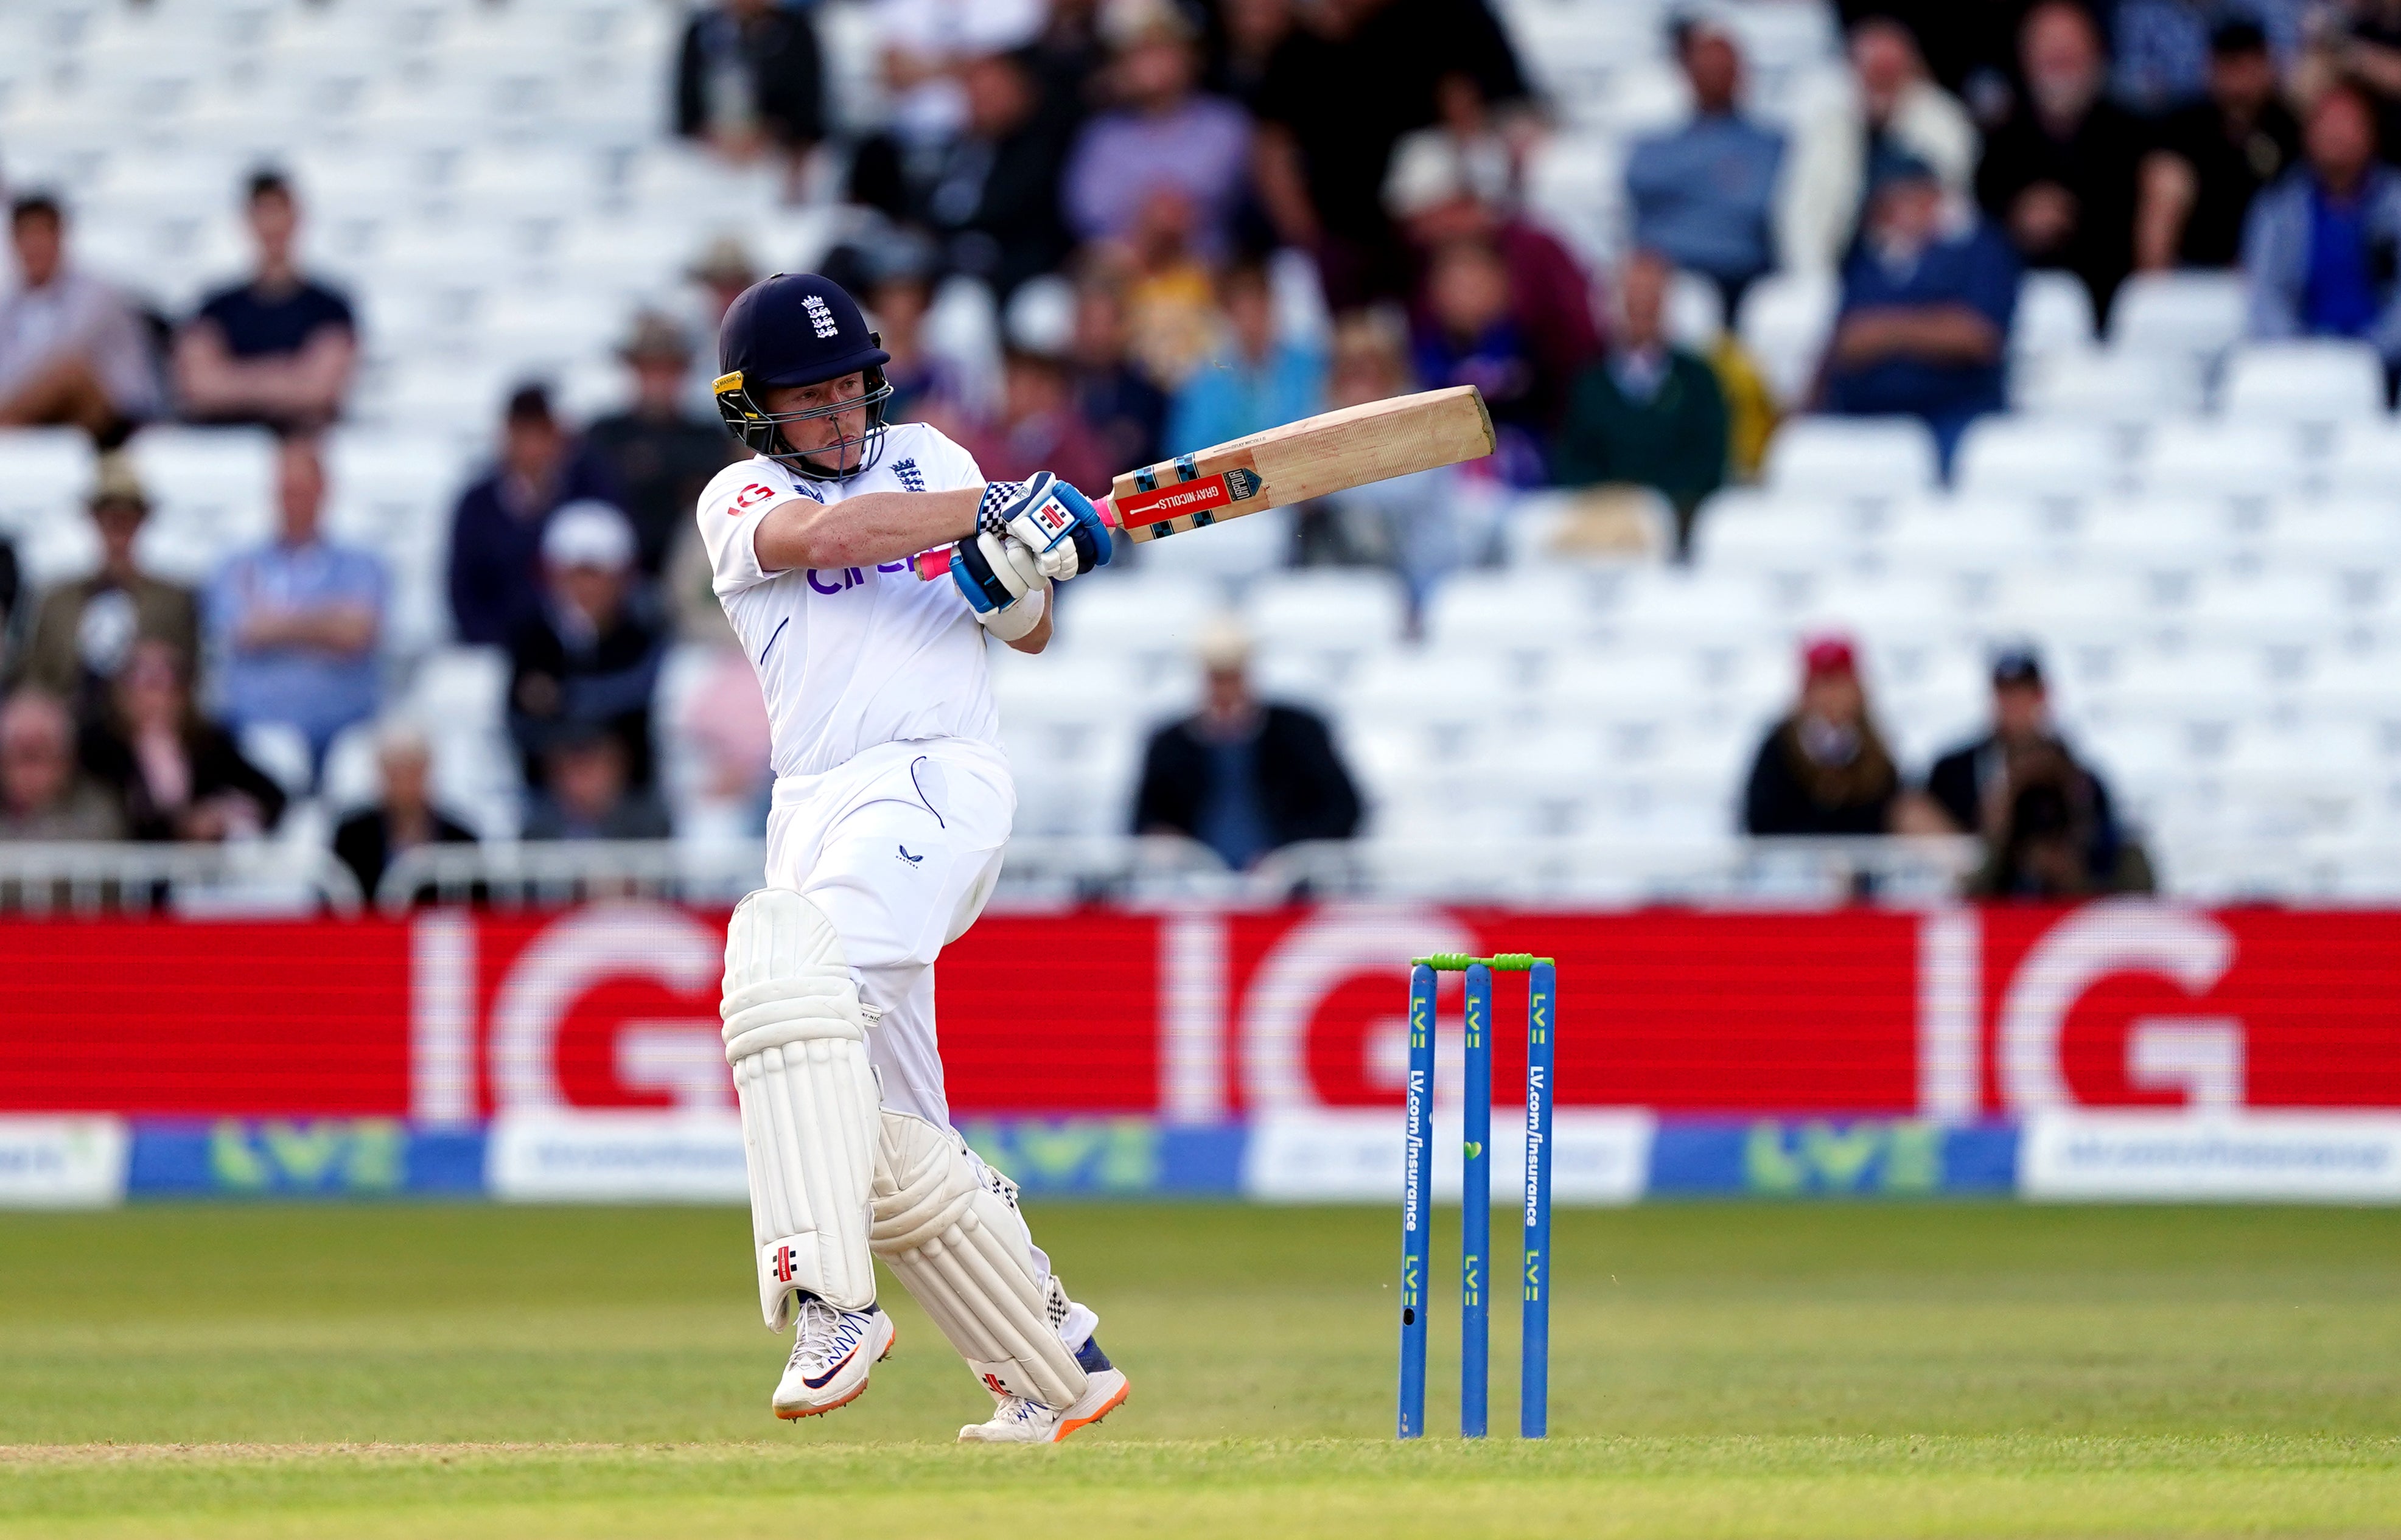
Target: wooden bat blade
[{"x": 1329, "y": 453}]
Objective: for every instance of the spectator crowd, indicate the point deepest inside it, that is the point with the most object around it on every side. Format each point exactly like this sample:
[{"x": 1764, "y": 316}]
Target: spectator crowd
[{"x": 1146, "y": 188}]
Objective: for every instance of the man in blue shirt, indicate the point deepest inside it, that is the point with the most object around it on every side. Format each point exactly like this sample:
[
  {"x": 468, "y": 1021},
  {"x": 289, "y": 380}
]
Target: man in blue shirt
[
  {"x": 279, "y": 349},
  {"x": 296, "y": 622},
  {"x": 2321, "y": 247},
  {"x": 1705, "y": 195},
  {"x": 1928, "y": 296},
  {"x": 1255, "y": 382}
]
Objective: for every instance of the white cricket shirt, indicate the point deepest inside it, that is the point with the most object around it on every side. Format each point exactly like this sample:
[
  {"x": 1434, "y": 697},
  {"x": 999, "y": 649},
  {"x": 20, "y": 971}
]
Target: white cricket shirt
[{"x": 850, "y": 657}]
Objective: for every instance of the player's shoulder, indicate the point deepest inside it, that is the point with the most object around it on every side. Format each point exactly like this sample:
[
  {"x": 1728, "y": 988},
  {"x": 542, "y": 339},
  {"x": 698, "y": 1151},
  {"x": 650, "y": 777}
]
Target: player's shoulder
[
  {"x": 746, "y": 483},
  {"x": 923, "y": 459}
]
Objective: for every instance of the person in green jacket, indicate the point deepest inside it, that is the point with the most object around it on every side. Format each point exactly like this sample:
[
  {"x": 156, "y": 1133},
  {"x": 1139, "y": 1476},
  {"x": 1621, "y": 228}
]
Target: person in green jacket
[{"x": 1647, "y": 413}]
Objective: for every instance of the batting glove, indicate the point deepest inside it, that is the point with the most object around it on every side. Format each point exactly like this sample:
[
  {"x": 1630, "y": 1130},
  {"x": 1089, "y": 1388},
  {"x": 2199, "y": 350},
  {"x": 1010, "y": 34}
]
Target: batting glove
[
  {"x": 1003, "y": 583},
  {"x": 1057, "y": 523}
]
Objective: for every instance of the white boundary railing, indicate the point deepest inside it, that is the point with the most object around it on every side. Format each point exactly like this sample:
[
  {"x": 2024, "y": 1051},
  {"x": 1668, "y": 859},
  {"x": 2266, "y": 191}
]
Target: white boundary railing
[{"x": 289, "y": 877}]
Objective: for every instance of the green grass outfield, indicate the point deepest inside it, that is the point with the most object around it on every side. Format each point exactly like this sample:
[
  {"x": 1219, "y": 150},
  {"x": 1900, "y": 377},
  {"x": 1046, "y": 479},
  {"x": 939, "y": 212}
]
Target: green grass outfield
[{"x": 1740, "y": 1371}]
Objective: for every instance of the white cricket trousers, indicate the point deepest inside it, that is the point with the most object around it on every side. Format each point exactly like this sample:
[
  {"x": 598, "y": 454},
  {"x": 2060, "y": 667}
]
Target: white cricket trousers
[{"x": 900, "y": 846}]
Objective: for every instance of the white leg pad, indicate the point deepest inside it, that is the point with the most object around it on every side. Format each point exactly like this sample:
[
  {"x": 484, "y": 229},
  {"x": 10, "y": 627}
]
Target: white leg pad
[
  {"x": 796, "y": 1036},
  {"x": 949, "y": 1228}
]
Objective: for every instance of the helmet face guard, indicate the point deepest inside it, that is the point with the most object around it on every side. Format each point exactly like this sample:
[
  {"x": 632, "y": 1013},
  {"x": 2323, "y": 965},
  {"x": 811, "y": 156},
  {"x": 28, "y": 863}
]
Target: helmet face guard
[{"x": 762, "y": 432}]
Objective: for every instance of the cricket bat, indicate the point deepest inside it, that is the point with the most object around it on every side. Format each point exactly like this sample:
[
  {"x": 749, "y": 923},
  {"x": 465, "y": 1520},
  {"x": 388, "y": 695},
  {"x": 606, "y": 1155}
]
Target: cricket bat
[{"x": 1331, "y": 452}]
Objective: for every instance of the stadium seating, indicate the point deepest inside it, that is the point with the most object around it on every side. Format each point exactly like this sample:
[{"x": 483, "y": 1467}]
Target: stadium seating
[{"x": 2202, "y": 533}]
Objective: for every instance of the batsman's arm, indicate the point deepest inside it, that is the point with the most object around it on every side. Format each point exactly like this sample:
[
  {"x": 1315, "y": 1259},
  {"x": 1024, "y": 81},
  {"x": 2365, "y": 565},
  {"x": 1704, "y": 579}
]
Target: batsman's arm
[{"x": 861, "y": 531}]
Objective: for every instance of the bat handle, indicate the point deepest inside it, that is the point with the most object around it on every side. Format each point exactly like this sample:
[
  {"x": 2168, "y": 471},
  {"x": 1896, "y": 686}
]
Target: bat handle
[{"x": 936, "y": 562}]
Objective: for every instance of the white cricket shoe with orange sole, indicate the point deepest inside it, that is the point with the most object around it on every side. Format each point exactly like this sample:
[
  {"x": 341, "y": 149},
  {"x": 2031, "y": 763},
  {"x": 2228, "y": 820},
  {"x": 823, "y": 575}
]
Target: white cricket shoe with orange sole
[
  {"x": 831, "y": 1356},
  {"x": 1019, "y": 1420}
]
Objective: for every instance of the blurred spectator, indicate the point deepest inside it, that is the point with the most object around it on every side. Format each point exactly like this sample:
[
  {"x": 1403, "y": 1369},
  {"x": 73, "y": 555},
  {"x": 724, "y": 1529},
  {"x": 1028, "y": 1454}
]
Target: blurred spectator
[
  {"x": 1039, "y": 428},
  {"x": 496, "y": 534},
  {"x": 11, "y": 586},
  {"x": 1339, "y": 93},
  {"x": 84, "y": 628},
  {"x": 1244, "y": 35},
  {"x": 723, "y": 720},
  {"x": 1823, "y": 769},
  {"x": 72, "y": 350},
  {"x": 2061, "y": 174},
  {"x": 1433, "y": 192},
  {"x": 43, "y": 794},
  {"x": 993, "y": 195},
  {"x": 1703, "y": 194},
  {"x": 294, "y": 622},
  {"x": 1468, "y": 334},
  {"x": 1970, "y": 47},
  {"x": 1240, "y": 776},
  {"x": 403, "y": 818},
  {"x": 1160, "y": 133},
  {"x": 2213, "y": 156},
  {"x": 1889, "y": 106},
  {"x": 1256, "y": 380},
  {"x": 661, "y": 455},
  {"x": 589, "y": 658},
  {"x": 1123, "y": 406},
  {"x": 177, "y": 774},
  {"x": 2021, "y": 788},
  {"x": 928, "y": 43},
  {"x": 2158, "y": 52},
  {"x": 749, "y": 79},
  {"x": 279, "y": 349},
  {"x": 1928, "y": 300},
  {"x": 1171, "y": 295},
  {"x": 895, "y": 271},
  {"x": 714, "y": 281},
  {"x": 585, "y": 793},
  {"x": 2322, "y": 246},
  {"x": 2358, "y": 40},
  {"x": 1421, "y": 526},
  {"x": 1649, "y": 412}
]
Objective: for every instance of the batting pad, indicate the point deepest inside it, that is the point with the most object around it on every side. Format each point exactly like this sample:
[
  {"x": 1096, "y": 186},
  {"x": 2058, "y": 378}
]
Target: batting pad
[
  {"x": 948, "y": 1227},
  {"x": 796, "y": 1036}
]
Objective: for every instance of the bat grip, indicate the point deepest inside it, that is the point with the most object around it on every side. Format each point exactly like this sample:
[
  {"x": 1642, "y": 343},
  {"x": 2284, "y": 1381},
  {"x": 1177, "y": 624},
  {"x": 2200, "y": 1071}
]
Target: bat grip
[{"x": 936, "y": 562}]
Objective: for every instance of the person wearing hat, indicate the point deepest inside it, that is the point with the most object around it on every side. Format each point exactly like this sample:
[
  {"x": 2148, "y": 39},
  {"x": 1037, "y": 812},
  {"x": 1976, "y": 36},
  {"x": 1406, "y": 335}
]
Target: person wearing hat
[
  {"x": 1887, "y": 102},
  {"x": 662, "y": 454},
  {"x": 1929, "y": 296},
  {"x": 1978, "y": 787},
  {"x": 864, "y": 564},
  {"x": 84, "y": 628},
  {"x": 294, "y": 621},
  {"x": 1160, "y": 131},
  {"x": 588, "y": 659},
  {"x": 1824, "y": 769},
  {"x": 1240, "y": 776}
]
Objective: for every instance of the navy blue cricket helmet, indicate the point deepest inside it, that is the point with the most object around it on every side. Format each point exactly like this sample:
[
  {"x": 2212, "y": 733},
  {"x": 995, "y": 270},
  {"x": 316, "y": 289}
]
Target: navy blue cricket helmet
[{"x": 800, "y": 329}]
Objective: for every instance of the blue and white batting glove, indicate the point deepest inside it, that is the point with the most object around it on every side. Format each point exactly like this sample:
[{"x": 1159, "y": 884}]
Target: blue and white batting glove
[
  {"x": 1003, "y": 583},
  {"x": 1057, "y": 523}
]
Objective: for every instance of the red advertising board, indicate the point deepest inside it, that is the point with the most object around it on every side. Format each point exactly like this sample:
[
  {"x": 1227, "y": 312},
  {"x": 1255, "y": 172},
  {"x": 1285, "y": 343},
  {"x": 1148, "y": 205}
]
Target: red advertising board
[{"x": 1201, "y": 1015}]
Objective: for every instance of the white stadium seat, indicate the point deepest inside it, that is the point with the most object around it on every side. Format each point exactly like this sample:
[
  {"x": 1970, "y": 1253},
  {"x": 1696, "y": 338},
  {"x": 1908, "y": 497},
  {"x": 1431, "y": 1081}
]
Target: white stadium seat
[
  {"x": 1784, "y": 322},
  {"x": 2037, "y": 456},
  {"x": 2115, "y": 389},
  {"x": 2304, "y": 382},
  {"x": 2054, "y": 316},
  {"x": 2193, "y": 317},
  {"x": 1852, "y": 457},
  {"x": 2209, "y": 457}
]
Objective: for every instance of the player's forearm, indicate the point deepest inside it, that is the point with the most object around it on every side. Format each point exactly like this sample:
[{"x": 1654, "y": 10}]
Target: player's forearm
[{"x": 875, "y": 526}]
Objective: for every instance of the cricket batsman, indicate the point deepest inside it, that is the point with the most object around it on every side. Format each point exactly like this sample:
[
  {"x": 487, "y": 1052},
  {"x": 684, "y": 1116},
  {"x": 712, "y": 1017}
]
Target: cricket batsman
[{"x": 892, "y": 801}]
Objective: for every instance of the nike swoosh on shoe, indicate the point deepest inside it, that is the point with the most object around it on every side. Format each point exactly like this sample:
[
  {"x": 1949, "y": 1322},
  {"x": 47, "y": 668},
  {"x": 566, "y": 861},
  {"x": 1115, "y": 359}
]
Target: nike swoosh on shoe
[{"x": 827, "y": 1378}]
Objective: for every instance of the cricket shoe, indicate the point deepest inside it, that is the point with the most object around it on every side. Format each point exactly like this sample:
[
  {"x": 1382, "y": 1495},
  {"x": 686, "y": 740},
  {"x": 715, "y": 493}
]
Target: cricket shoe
[
  {"x": 1019, "y": 1420},
  {"x": 831, "y": 1358}
]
